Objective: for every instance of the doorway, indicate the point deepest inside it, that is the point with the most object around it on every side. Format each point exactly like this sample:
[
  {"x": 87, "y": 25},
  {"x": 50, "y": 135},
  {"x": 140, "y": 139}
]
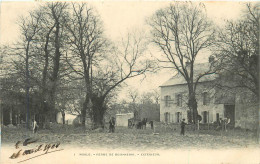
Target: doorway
[
  {"x": 167, "y": 117},
  {"x": 205, "y": 117},
  {"x": 229, "y": 112},
  {"x": 178, "y": 117}
]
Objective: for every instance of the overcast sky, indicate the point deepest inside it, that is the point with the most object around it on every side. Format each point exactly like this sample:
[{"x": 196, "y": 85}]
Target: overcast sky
[{"x": 119, "y": 18}]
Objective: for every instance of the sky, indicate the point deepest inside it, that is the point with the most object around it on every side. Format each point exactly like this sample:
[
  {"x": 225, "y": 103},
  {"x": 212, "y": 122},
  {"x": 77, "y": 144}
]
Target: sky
[{"x": 119, "y": 18}]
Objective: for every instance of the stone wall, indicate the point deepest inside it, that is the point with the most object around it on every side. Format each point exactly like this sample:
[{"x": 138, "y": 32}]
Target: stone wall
[
  {"x": 150, "y": 111},
  {"x": 247, "y": 115}
]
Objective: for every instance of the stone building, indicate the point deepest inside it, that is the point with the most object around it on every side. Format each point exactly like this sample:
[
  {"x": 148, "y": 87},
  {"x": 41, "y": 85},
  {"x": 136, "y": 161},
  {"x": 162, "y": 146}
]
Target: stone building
[
  {"x": 122, "y": 119},
  {"x": 213, "y": 103}
]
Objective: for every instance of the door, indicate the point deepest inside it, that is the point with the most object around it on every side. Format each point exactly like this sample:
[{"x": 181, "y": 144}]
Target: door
[
  {"x": 178, "y": 117},
  {"x": 217, "y": 117},
  {"x": 229, "y": 112},
  {"x": 205, "y": 116},
  {"x": 166, "y": 117}
]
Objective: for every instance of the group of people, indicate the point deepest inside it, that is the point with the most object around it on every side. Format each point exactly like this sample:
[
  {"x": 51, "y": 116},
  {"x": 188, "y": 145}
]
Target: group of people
[
  {"x": 222, "y": 123},
  {"x": 139, "y": 125}
]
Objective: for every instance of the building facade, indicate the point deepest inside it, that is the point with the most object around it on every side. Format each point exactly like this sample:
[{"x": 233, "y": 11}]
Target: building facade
[{"x": 212, "y": 102}]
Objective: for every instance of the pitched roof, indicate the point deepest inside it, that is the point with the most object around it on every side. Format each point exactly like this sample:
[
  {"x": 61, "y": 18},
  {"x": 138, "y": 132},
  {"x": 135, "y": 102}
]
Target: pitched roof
[{"x": 198, "y": 69}]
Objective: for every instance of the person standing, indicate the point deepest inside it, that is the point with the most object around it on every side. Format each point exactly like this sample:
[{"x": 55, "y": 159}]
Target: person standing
[
  {"x": 151, "y": 123},
  {"x": 183, "y": 127},
  {"x": 112, "y": 125},
  {"x": 226, "y": 122},
  {"x": 35, "y": 126}
]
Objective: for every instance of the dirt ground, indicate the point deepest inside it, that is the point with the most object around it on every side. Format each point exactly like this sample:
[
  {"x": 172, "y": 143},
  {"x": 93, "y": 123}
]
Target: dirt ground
[{"x": 140, "y": 139}]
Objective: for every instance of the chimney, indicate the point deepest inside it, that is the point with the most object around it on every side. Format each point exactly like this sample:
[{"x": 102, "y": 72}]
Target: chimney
[{"x": 211, "y": 59}]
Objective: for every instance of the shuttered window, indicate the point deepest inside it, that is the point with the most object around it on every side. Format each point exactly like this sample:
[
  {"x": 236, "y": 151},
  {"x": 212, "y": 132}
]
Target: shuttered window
[
  {"x": 179, "y": 100},
  {"x": 206, "y": 98},
  {"x": 167, "y": 100}
]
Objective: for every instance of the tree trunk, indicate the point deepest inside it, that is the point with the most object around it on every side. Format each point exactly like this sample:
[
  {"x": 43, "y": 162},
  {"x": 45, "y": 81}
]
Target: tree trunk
[
  {"x": 44, "y": 90},
  {"x": 27, "y": 83},
  {"x": 193, "y": 107},
  {"x": 55, "y": 73},
  {"x": 11, "y": 116},
  {"x": 2, "y": 116},
  {"x": 63, "y": 117},
  {"x": 98, "y": 117},
  {"x": 83, "y": 111},
  {"x": 98, "y": 112}
]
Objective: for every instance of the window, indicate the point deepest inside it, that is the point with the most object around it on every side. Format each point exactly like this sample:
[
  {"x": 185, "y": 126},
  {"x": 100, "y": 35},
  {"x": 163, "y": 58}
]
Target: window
[
  {"x": 178, "y": 117},
  {"x": 167, "y": 117},
  {"x": 167, "y": 100},
  {"x": 179, "y": 100},
  {"x": 206, "y": 99}
]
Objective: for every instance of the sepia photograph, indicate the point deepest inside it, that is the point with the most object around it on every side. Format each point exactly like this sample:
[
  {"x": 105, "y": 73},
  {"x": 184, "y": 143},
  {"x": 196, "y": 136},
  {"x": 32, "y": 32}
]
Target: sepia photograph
[{"x": 174, "y": 82}]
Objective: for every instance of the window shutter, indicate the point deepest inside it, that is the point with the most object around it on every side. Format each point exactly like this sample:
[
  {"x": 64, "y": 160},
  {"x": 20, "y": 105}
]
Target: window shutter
[
  {"x": 166, "y": 100},
  {"x": 208, "y": 99},
  {"x": 176, "y": 98},
  {"x": 210, "y": 116},
  {"x": 180, "y": 100}
]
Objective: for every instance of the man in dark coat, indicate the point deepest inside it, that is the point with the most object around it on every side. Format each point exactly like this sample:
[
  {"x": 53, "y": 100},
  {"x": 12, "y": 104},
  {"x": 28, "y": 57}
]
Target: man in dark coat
[
  {"x": 183, "y": 126},
  {"x": 112, "y": 125},
  {"x": 151, "y": 123}
]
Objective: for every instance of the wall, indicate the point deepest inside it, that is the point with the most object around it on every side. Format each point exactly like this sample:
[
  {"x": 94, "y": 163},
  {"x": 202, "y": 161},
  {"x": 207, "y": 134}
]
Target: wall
[
  {"x": 150, "y": 111},
  {"x": 122, "y": 119},
  {"x": 246, "y": 113}
]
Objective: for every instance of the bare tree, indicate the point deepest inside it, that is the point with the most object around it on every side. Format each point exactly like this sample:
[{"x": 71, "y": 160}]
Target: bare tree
[
  {"x": 126, "y": 62},
  {"x": 29, "y": 27},
  {"x": 133, "y": 95},
  {"x": 238, "y": 49},
  {"x": 42, "y": 40},
  {"x": 86, "y": 41},
  {"x": 146, "y": 97},
  {"x": 182, "y": 32},
  {"x": 156, "y": 96},
  {"x": 58, "y": 14}
]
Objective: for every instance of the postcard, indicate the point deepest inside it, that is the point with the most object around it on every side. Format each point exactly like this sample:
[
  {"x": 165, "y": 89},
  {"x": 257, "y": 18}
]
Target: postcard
[{"x": 129, "y": 82}]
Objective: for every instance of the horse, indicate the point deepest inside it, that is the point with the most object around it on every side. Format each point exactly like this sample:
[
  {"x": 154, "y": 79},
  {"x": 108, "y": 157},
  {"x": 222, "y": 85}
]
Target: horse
[{"x": 141, "y": 124}]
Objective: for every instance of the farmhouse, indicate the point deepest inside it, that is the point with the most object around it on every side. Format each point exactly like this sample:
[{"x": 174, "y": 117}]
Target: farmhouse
[{"x": 213, "y": 103}]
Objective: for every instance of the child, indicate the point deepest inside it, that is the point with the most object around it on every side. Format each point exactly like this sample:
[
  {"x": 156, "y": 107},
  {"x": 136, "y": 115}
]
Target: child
[{"x": 182, "y": 126}]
